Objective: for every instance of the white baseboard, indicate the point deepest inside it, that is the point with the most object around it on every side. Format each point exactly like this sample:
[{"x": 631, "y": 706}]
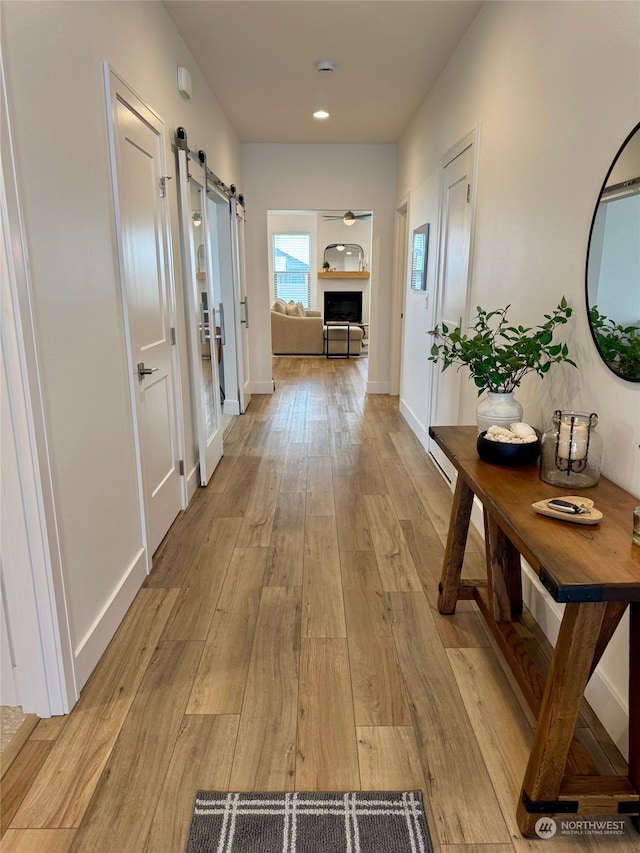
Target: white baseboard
[
  {"x": 90, "y": 649},
  {"x": 262, "y": 387},
  {"x": 419, "y": 429},
  {"x": 193, "y": 481},
  {"x": 231, "y": 407},
  {"x": 610, "y": 708},
  {"x": 378, "y": 387}
]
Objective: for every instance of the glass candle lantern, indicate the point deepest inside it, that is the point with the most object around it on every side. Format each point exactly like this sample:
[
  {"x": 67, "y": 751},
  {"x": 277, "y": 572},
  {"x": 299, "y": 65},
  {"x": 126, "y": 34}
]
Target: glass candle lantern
[{"x": 571, "y": 451}]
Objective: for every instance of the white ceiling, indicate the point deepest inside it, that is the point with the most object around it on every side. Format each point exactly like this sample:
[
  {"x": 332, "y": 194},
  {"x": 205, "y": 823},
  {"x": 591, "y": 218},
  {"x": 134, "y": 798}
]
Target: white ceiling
[{"x": 259, "y": 58}]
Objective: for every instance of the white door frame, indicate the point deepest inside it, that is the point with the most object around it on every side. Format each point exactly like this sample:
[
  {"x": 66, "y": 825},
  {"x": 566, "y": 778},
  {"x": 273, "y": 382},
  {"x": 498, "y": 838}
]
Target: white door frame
[
  {"x": 115, "y": 86},
  {"x": 400, "y": 295},
  {"x": 34, "y": 591},
  {"x": 242, "y": 316},
  {"x": 472, "y": 138}
]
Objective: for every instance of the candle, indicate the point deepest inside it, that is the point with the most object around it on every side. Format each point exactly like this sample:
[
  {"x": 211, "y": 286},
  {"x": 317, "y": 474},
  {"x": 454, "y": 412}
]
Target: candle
[{"x": 575, "y": 449}]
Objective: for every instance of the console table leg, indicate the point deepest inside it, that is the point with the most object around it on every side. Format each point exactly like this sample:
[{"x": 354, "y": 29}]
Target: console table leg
[
  {"x": 456, "y": 542},
  {"x": 566, "y": 682},
  {"x": 504, "y": 574}
]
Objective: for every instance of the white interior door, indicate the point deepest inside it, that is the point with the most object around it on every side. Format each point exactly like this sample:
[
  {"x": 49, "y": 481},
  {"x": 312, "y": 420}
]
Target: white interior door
[
  {"x": 224, "y": 300},
  {"x": 197, "y": 273},
  {"x": 142, "y": 225},
  {"x": 454, "y": 252},
  {"x": 242, "y": 315}
]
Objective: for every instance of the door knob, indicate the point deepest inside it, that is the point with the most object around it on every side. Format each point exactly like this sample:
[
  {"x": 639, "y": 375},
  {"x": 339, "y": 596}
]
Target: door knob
[{"x": 144, "y": 371}]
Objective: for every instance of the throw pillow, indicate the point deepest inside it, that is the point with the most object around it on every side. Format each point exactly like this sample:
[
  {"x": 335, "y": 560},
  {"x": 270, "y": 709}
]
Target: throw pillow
[
  {"x": 295, "y": 309},
  {"x": 279, "y": 306}
]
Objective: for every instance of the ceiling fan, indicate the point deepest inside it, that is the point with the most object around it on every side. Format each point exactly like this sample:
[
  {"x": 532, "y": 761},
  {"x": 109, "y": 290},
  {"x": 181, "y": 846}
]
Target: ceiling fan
[{"x": 350, "y": 217}]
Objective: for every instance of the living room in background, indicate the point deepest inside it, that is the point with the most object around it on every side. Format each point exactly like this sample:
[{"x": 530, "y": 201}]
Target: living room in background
[{"x": 291, "y": 255}]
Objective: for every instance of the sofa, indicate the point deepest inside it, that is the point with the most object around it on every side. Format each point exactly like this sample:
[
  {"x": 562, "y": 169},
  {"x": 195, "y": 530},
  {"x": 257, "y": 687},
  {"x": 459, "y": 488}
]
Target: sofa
[{"x": 296, "y": 330}]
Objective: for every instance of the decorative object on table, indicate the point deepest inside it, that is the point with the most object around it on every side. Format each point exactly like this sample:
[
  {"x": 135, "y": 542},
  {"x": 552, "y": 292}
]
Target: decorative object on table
[
  {"x": 571, "y": 450},
  {"x": 498, "y": 408},
  {"x": 326, "y": 265},
  {"x": 518, "y": 445},
  {"x": 499, "y": 355},
  {"x": 419, "y": 257},
  {"x": 636, "y": 525},
  {"x": 583, "y": 512}
]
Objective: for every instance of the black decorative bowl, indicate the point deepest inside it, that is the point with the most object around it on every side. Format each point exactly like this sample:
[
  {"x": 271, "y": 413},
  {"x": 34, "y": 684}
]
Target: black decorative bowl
[{"x": 501, "y": 453}]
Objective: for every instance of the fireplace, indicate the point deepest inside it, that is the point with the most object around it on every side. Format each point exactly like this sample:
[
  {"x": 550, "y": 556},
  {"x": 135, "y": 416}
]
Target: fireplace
[{"x": 343, "y": 305}]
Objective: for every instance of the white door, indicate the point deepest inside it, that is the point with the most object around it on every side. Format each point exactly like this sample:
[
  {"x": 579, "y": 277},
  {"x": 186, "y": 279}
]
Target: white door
[
  {"x": 242, "y": 315},
  {"x": 197, "y": 276},
  {"x": 219, "y": 218},
  {"x": 454, "y": 252},
  {"x": 142, "y": 230}
]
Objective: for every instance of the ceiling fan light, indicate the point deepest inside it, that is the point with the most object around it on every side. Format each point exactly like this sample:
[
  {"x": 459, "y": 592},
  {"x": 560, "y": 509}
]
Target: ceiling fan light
[
  {"x": 349, "y": 218},
  {"x": 321, "y": 114},
  {"x": 340, "y": 247}
]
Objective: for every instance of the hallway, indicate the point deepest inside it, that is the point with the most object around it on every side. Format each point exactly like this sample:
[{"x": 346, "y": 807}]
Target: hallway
[{"x": 288, "y": 639}]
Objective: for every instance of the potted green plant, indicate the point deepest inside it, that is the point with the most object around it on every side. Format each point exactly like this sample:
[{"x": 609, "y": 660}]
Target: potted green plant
[
  {"x": 500, "y": 355},
  {"x": 325, "y": 266}
]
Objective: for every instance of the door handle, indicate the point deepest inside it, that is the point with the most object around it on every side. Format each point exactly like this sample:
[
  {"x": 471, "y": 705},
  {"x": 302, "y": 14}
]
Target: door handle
[
  {"x": 205, "y": 331},
  {"x": 245, "y": 302},
  {"x": 144, "y": 371},
  {"x": 222, "y": 337}
]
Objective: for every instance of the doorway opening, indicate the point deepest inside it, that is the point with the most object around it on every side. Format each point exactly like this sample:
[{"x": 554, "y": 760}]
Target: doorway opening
[{"x": 339, "y": 262}]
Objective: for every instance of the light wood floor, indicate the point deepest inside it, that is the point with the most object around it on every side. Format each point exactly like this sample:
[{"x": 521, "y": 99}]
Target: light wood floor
[{"x": 287, "y": 638}]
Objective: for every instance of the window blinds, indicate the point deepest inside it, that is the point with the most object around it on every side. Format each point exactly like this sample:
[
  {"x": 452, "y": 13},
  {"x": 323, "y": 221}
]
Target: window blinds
[{"x": 291, "y": 268}]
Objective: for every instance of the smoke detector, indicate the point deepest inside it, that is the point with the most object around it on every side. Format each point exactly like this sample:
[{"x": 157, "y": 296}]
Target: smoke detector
[{"x": 325, "y": 66}]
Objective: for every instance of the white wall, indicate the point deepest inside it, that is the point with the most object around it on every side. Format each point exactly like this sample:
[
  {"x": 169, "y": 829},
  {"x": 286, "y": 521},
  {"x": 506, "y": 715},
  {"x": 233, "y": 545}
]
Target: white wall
[
  {"x": 53, "y": 54},
  {"x": 528, "y": 74},
  {"x": 555, "y": 88},
  {"x": 320, "y": 177}
]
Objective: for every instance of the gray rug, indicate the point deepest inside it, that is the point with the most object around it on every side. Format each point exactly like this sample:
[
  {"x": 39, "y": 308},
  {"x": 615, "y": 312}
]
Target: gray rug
[{"x": 355, "y": 822}]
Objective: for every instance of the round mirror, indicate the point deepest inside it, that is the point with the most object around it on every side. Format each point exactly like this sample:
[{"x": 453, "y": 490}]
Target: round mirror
[{"x": 613, "y": 264}]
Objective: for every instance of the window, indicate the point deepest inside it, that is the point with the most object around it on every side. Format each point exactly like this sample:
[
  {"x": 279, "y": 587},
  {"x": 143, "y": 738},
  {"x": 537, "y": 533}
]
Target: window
[{"x": 291, "y": 270}]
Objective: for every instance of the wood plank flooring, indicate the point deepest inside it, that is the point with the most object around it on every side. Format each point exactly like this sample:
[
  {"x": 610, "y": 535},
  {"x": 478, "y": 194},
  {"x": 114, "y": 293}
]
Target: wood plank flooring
[{"x": 288, "y": 638}]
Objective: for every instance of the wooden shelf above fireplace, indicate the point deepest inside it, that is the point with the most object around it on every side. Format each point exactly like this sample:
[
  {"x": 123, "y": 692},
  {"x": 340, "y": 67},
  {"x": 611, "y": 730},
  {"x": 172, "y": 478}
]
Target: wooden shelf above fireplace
[{"x": 339, "y": 274}]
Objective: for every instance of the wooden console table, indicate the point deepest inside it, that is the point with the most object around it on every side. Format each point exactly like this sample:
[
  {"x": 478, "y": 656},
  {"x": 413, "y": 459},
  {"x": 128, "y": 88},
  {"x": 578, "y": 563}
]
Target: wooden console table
[{"x": 595, "y": 570}]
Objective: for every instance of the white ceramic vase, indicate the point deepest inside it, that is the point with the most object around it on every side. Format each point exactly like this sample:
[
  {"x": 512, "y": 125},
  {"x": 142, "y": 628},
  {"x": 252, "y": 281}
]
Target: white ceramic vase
[{"x": 499, "y": 408}]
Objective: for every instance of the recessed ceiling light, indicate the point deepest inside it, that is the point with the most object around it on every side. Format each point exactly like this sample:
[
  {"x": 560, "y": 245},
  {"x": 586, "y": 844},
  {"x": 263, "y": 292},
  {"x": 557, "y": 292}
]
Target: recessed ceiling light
[{"x": 321, "y": 114}]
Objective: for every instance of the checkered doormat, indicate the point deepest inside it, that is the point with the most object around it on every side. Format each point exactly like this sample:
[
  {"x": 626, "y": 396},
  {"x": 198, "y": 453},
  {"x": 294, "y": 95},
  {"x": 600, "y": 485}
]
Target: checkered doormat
[{"x": 352, "y": 822}]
